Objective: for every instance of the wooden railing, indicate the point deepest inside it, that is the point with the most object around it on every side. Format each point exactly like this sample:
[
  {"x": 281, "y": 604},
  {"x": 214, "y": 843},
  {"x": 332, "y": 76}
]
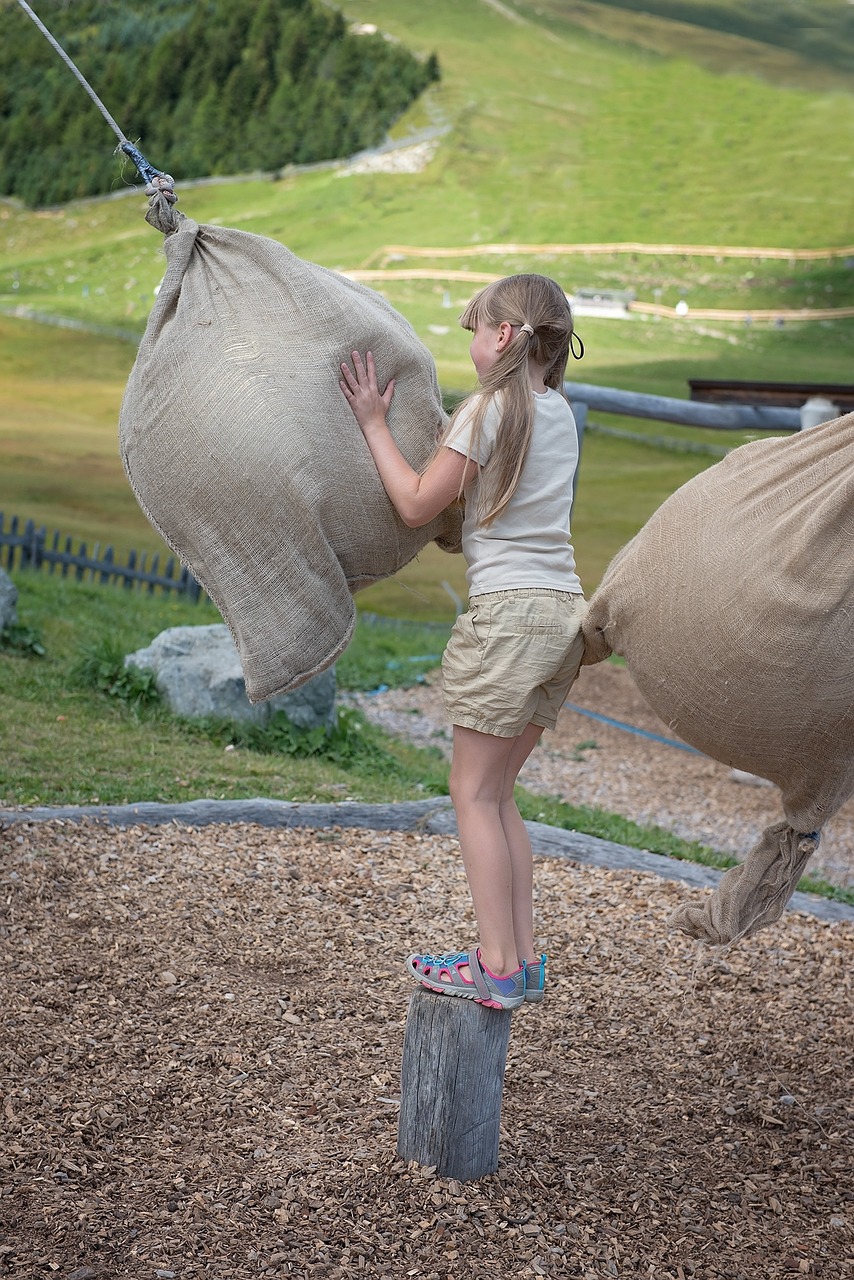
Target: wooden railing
[
  {"x": 26, "y": 546},
  {"x": 689, "y": 413}
]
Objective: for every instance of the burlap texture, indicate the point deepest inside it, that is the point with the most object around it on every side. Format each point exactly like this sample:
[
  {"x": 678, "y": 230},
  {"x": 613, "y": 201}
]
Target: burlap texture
[
  {"x": 245, "y": 456},
  {"x": 754, "y": 894},
  {"x": 734, "y": 610}
]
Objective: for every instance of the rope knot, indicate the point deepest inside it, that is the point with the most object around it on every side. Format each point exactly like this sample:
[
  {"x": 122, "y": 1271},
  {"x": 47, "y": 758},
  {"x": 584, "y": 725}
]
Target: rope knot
[{"x": 162, "y": 184}]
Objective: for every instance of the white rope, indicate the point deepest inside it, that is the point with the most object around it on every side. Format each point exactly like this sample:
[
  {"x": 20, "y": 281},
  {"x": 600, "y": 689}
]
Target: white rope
[{"x": 91, "y": 92}]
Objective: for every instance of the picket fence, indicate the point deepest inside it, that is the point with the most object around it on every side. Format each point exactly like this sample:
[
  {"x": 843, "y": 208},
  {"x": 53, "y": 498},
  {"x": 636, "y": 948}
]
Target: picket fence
[{"x": 26, "y": 546}]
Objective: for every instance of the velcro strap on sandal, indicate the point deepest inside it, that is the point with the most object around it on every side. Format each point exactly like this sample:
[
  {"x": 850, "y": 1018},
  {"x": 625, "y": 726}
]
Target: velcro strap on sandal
[{"x": 476, "y": 970}]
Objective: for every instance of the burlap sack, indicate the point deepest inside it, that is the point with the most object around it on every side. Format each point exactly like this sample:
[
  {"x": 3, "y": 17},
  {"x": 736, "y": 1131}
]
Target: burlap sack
[
  {"x": 734, "y": 610},
  {"x": 245, "y": 456}
]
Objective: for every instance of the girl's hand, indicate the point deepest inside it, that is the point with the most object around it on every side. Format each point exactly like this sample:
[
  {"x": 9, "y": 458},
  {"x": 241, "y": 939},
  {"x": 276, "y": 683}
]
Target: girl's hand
[{"x": 359, "y": 385}]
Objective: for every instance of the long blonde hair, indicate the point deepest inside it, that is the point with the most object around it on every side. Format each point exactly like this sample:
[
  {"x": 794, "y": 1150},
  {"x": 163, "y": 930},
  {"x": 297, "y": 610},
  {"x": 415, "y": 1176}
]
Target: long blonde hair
[{"x": 542, "y": 304}]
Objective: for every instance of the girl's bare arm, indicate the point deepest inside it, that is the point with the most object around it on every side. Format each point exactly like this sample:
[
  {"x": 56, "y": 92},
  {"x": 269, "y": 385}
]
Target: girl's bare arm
[{"x": 416, "y": 498}]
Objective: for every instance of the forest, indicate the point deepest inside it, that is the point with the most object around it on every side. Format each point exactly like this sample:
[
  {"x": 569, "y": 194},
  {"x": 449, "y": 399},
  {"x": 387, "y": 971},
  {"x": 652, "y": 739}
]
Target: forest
[{"x": 217, "y": 87}]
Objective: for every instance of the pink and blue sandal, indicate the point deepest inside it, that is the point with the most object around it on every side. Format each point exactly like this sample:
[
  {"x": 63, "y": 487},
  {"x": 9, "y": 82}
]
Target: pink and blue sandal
[
  {"x": 442, "y": 975},
  {"x": 535, "y": 979}
]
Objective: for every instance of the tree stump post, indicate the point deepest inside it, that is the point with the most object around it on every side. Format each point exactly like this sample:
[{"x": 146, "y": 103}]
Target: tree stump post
[{"x": 451, "y": 1081}]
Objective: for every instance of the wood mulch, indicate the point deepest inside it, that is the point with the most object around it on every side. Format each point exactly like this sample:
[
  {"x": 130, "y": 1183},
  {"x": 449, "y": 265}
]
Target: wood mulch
[{"x": 201, "y": 1040}]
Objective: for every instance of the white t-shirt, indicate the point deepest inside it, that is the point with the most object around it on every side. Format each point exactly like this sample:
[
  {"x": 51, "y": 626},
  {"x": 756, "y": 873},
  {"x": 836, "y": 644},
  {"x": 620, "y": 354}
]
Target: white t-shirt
[{"x": 528, "y": 544}]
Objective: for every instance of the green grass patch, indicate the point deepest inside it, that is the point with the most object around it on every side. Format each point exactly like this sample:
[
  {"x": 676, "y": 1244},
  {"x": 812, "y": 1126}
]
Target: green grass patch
[
  {"x": 350, "y": 742},
  {"x": 102, "y": 668},
  {"x": 749, "y": 35},
  {"x": 390, "y": 653},
  {"x": 21, "y": 640},
  {"x": 76, "y": 727}
]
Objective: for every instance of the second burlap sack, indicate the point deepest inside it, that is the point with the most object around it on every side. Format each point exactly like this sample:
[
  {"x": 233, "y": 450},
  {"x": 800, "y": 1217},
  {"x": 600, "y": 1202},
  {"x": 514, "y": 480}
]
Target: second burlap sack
[
  {"x": 734, "y": 610},
  {"x": 244, "y": 454}
]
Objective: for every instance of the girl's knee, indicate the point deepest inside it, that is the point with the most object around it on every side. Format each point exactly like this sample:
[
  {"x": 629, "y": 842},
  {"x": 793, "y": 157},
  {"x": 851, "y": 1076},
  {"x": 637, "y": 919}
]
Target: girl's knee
[{"x": 466, "y": 789}]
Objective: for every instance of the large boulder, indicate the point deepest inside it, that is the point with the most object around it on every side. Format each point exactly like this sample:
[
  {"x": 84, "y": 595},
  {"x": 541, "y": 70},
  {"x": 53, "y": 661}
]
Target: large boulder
[
  {"x": 8, "y": 600},
  {"x": 199, "y": 674}
]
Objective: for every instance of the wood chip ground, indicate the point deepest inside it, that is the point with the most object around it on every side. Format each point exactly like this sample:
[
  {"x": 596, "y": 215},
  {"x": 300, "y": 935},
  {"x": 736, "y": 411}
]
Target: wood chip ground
[{"x": 200, "y": 1046}]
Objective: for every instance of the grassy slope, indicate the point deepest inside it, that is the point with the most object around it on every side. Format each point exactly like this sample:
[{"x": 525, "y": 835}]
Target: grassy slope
[
  {"x": 59, "y": 392},
  {"x": 804, "y": 43},
  {"x": 554, "y": 132},
  {"x": 82, "y": 747},
  {"x": 819, "y": 33}
]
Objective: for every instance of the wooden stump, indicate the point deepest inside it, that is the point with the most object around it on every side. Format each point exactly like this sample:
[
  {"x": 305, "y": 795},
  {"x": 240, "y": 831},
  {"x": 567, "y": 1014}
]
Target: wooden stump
[{"x": 451, "y": 1080}]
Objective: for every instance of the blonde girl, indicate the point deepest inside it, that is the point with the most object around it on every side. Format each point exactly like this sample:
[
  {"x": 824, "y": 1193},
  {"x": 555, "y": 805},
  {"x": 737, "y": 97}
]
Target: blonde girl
[{"x": 511, "y": 450}]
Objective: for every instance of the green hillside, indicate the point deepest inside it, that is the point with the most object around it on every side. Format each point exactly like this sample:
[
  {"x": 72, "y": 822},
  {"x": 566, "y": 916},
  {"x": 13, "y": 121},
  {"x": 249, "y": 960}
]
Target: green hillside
[
  {"x": 554, "y": 124},
  {"x": 821, "y": 31}
]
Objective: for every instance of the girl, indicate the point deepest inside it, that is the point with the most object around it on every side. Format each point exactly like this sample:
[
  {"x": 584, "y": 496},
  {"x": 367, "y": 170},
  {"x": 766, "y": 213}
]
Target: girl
[{"x": 512, "y": 450}]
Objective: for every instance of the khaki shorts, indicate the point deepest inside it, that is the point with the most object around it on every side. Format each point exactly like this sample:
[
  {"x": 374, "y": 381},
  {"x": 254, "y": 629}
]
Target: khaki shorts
[{"x": 512, "y": 659}]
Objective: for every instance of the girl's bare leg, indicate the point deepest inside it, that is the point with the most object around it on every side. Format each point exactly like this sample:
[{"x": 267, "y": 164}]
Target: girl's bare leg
[
  {"x": 519, "y": 844},
  {"x": 495, "y": 846}
]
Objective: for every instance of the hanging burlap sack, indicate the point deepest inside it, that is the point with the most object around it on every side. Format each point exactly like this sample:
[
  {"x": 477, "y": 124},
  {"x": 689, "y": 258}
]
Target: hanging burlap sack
[
  {"x": 245, "y": 456},
  {"x": 734, "y": 610}
]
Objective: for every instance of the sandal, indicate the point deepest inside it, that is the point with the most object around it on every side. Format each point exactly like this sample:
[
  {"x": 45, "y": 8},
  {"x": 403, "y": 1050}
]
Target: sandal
[
  {"x": 442, "y": 975},
  {"x": 535, "y": 979}
]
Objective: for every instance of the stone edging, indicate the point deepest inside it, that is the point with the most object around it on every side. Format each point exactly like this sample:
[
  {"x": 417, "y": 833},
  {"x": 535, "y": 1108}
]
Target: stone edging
[{"x": 434, "y": 817}]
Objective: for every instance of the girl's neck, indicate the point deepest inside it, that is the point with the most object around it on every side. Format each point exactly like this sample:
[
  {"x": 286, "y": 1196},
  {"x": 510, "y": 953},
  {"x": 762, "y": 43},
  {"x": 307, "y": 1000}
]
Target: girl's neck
[{"x": 535, "y": 373}]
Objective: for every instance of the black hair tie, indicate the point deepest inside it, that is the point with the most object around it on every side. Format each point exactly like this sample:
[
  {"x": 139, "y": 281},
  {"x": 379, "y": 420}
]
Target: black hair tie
[{"x": 573, "y": 338}]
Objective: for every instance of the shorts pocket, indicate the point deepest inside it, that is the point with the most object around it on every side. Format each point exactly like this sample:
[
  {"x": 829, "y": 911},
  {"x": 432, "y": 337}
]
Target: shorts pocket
[
  {"x": 477, "y": 623},
  {"x": 531, "y": 615}
]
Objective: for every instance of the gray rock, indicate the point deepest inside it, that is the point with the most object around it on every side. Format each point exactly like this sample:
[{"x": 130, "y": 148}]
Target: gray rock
[
  {"x": 8, "y": 600},
  {"x": 198, "y": 673}
]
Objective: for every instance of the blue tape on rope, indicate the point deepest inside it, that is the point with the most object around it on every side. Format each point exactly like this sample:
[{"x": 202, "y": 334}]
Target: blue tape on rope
[
  {"x": 630, "y": 728},
  {"x": 146, "y": 170}
]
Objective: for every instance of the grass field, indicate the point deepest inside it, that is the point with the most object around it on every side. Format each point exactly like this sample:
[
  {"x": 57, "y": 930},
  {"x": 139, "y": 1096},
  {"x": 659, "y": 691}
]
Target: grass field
[
  {"x": 569, "y": 136},
  {"x": 554, "y": 123}
]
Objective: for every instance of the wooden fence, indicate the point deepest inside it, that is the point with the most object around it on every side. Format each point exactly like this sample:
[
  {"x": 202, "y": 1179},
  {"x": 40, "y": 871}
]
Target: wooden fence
[
  {"x": 688, "y": 413},
  {"x": 29, "y": 547}
]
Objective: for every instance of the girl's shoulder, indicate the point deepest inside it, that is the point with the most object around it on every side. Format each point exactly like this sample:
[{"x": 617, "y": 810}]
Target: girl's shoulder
[
  {"x": 477, "y": 399},
  {"x": 480, "y": 407},
  {"x": 552, "y": 404},
  {"x": 474, "y": 427}
]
